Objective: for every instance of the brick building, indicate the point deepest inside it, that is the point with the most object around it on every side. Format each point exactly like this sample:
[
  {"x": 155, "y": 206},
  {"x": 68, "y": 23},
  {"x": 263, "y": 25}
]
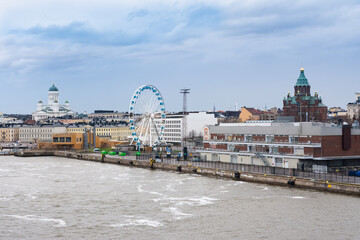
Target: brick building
[
  {"x": 354, "y": 108},
  {"x": 288, "y": 145},
  {"x": 302, "y": 106}
]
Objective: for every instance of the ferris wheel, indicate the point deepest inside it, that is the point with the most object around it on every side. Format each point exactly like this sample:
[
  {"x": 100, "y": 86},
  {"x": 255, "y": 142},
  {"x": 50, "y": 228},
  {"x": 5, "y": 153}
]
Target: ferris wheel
[{"x": 147, "y": 116}]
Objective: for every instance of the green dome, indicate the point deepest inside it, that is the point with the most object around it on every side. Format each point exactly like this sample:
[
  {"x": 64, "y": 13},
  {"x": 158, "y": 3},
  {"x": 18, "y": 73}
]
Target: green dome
[
  {"x": 53, "y": 89},
  {"x": 302, "y": 80}
]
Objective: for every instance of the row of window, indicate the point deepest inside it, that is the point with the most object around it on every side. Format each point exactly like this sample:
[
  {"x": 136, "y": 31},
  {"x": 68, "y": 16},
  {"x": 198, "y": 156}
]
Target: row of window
[
  {"x": 35, "y": 130},
  {"x": 172, "y": 130},
  {"x": 35, "y": 135},
  {"x": 61, "y": 139}
]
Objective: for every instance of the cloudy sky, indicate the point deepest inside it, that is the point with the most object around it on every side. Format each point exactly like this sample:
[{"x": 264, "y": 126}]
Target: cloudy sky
[{"x": 247, "y": 52}]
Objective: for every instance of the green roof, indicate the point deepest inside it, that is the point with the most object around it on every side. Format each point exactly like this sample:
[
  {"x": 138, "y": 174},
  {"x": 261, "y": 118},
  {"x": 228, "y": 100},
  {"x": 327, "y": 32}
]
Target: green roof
[
  {"x": 53, "y": 89},
  {"x": 311, "y": 99},
  {"x": 302, "y": 80}
]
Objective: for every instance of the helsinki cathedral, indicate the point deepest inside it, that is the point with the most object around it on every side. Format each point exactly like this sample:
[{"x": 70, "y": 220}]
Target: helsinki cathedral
[{"x": 53, "y": 109}]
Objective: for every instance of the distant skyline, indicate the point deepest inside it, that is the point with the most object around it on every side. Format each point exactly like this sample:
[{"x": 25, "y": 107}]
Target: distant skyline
[{"x": 247, "y": 52}]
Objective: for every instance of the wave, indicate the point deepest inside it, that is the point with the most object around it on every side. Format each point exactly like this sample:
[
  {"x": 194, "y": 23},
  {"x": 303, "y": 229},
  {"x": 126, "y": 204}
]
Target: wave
[
  {"x": 59, "y": 222},
  {"x": 177, "y": 214},
  {"x": 138, "y": 222},
  {"x": 190, "y": 201},
  {"x": 298, "y": 197},
  {"x": 139, "y": 188}
]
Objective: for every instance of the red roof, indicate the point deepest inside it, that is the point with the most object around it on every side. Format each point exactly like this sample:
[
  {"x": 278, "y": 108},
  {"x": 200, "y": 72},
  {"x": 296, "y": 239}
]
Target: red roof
[{"x": 253, "y": 111}]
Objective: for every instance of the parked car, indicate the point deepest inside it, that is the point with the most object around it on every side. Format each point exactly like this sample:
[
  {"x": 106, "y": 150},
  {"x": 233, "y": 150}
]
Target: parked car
[{"x": 96, "y": 150}]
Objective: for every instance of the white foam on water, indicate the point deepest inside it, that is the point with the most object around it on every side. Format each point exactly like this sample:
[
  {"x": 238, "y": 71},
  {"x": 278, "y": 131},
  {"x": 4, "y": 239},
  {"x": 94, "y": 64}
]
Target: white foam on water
[
  {"x": 170, "y": 188},
  {"x": 5, "y": 198},
  {"x": 260, "y": 198},
  {"x": 265, "y": 188},
  {"x": 138, "y": 222},
  {"x": 59, "y": 222},
  {"x": 176, "y": 213},
  {"x": 238, "y": 182},
  {"x": 189, "y": 178},
  {"x": 191, "y": 201},
  {"x": 156, "y": 193},
  {"x": 120, "y": 178},
  {"x": 139, "y": 188},
  {"x": 298, "y": 197}
]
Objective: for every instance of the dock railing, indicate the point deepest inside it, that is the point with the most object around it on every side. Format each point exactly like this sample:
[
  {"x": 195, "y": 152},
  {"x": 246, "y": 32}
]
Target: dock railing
[{"x": 332, "y": 176}]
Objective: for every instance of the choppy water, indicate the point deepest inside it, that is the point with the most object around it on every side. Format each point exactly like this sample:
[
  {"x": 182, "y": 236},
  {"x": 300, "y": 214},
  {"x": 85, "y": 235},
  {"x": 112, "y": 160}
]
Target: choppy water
[{"x": 59, "y": 198}]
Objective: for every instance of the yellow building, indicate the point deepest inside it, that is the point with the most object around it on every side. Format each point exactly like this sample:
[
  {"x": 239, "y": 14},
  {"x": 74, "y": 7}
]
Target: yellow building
[
  {"x": 10, "y": 134},
  {"x": 75, "y": 141},
  {"x": 249, "y": 114},
  {"x": 117, "y": 133}
]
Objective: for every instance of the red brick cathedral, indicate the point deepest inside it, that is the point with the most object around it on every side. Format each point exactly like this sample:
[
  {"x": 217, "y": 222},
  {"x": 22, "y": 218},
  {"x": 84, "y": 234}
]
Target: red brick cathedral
[{"x": 303, "y": 106}]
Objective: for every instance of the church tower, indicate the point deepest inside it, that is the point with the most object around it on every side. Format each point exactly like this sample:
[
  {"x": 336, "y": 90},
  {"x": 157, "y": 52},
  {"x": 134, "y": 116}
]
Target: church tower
[
  {"x": 53, "y": 95},
  {"x": 302, "y": 86},
  {"x": 302, "y": 106}
]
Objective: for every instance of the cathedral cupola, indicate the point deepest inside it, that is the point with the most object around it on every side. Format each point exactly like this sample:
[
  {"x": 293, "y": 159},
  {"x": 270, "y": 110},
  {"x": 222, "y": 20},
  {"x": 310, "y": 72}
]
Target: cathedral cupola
[
  {"x": 302, "y": 86},
  {"x": 53, "y": 95},
  {"x": 53, "y": 89}
]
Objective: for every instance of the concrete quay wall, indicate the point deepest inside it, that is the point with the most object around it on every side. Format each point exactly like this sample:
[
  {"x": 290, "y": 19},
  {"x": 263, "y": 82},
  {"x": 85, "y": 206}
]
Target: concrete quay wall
[{"x": 333, "y": 187}]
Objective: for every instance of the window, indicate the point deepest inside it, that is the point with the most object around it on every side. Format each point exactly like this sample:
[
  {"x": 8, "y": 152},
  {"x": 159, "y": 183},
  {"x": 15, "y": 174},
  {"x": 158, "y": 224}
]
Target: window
[
  {"x": 62, "y": 139},
  {"x": 294, "y": 139},
  {"x": 248, "y": 138},
  {"x": 68, "y": 139},
  {"x": 275, "y": 150},
  {"x": 269, "y": 138},
  {"x": 55, "y": 139}
]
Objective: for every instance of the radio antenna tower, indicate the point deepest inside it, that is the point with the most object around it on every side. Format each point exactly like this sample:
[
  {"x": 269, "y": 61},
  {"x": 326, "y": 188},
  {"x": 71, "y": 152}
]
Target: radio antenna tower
[{"x": 184, "y": 91}]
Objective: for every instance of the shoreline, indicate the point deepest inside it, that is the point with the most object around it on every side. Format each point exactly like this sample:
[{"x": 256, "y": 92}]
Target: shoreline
[{"x": 319, "y": 185}]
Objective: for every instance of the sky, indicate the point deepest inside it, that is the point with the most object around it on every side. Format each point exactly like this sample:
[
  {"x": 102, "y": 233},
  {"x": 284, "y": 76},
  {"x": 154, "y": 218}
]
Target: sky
[{"x": 244, "y": 53}]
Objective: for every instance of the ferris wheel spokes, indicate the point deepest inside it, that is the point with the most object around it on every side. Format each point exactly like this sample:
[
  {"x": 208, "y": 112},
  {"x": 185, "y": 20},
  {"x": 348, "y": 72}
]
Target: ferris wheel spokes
[{"x": 147, "y": 116}]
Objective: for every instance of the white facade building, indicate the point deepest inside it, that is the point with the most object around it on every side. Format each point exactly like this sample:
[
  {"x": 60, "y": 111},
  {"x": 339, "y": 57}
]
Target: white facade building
[
  {"x": 196, "y": 121},
  {"x": 39, "y": 133},
  {"x": 354, "y": 107},
  {"x": 52, "y": 109}
]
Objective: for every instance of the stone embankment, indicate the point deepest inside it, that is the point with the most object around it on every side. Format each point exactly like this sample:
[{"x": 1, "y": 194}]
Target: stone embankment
[
  {"x": 34, "y": 153},
  {"x": 333, "y": 187}
]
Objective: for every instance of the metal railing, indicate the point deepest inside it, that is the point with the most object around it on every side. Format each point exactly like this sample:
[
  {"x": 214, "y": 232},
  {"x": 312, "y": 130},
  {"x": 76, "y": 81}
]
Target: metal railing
[{"x": 280, "y": 171}]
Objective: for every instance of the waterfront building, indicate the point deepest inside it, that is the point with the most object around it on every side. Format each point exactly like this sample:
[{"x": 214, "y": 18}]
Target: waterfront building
[
  {"x": 77, "y": 141},
  {"x": 196, "y": 121},
  {"x": 117, "y": 133},
  {"x": 302, "y": 105},
  {"x": 39, "y": 133},
  {"x": 9, "y": 134},
  {"x": 288, "y": 145},
  {"x": 53, "y": 108},
  {"x": 354, "y": 108}
]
